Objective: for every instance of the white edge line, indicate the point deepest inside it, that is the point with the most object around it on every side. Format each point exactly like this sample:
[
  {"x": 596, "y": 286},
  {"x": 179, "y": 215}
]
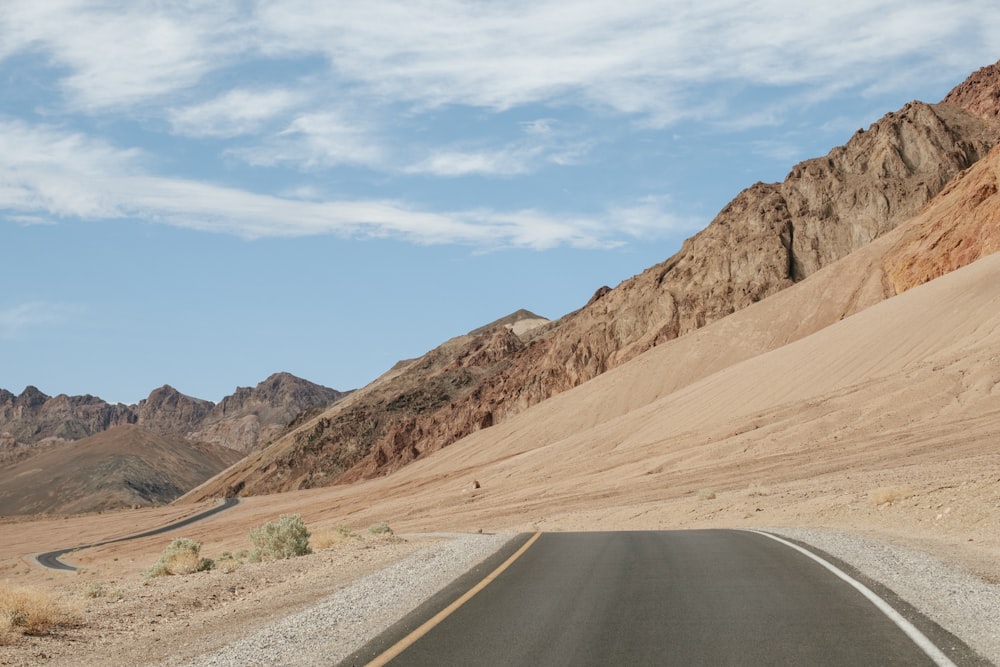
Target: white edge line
[{"x": 919, "y": 638}]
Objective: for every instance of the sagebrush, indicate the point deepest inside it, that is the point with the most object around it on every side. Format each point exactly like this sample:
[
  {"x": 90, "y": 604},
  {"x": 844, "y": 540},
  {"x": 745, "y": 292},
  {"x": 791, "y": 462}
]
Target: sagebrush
[
  {"x": 285, "y": 538},
  {"x": 182, "y": 556}
]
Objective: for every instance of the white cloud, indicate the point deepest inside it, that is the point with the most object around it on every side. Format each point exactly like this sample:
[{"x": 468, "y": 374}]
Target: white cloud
[
  {"x": 651, "y": 217},
  {"x": 315, "y": 140},
  {"x": 45, "y": 171},
  {"x": 637, "y": 57},
  {"x": 504, "y": 162},
  {"x": 236, "y": 112},
  {"x": 16, "y": 320},
  {"x": 632, "y": 57},
  {"x": 116, "y": 55},
  {"x": 544, "y": 142}
]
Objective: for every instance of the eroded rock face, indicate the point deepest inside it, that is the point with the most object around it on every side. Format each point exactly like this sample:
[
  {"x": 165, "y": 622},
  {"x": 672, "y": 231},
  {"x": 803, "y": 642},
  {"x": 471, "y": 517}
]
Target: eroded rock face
[
  {"x": 959, "y": 227},
  {"x": 167, "y": 411},
  {"x": 252, "y": 416},
  {"x": 33, "y": 416},
  {"x": 769, "y": 237},
  {"x": 979, "y": 94}
]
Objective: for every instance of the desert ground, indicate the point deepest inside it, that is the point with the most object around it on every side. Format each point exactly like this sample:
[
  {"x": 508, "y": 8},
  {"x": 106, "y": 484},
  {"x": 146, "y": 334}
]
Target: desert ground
[{"x": 885, "y": 425}]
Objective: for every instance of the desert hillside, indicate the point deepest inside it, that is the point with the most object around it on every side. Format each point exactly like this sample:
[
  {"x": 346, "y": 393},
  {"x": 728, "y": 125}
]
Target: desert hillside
[
  {"x": 770, "y": 237},
  {"x": 125, "y": 466}
]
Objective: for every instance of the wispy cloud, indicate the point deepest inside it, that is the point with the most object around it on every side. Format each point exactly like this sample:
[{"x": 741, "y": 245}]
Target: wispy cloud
[
  {"x": 317, "y": 140},
  {"x": 544, "y": 142},
  {"x": 17, "y": 320},
  {"x": 236, "y": 112},
  {"x": 115, "y": 56},
  {"x": 45, "y": 171},
  {"x": 630, "y": 57}
]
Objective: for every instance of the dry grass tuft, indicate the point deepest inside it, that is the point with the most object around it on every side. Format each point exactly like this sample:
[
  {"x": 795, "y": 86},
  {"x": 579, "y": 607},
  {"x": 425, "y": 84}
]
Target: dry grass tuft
[
  {"x": 27, "y": 611},
  {"x": 887, "y": 495},
  {"x": 325, "y": 539}
]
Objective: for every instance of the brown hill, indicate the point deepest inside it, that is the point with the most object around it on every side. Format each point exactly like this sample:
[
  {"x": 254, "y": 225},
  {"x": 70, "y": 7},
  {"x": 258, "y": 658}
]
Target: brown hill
[
  {"x": 769, "y": 238},
  {"x": 124, "y": 466}
]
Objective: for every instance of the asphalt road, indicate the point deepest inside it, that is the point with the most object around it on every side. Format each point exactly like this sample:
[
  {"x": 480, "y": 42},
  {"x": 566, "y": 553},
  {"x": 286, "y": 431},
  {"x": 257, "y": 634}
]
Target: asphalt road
[
  {"x": 51, "y": 559},
  {"x": 709, "y": 597}
]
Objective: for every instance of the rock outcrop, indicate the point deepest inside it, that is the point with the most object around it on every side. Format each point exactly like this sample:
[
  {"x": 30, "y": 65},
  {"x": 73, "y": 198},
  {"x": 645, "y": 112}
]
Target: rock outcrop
[
  {"x": 253, "y": 416},
  {"x": 979, "y": 95},
  {"x": 33, "y": 417}
]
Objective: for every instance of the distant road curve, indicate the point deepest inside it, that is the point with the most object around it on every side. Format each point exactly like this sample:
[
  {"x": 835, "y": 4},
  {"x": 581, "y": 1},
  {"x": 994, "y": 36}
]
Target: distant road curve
[{"x": 51, "y": 559}]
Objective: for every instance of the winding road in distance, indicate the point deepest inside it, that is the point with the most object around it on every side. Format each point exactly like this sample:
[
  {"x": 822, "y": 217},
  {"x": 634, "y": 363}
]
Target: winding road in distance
[
  {"x": 698, "y": 597},
  {"x": 51, "y": 559}
]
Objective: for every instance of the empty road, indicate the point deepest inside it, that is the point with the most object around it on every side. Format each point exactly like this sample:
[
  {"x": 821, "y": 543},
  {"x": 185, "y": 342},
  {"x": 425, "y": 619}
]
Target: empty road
[
  {"x": 51, "y": 559},
  {"x": 705, "y": 597}
]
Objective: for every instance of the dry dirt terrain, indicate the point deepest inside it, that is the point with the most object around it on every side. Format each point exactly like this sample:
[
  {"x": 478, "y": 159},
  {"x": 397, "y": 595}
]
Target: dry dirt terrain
[{"x": 885, "y": 424}]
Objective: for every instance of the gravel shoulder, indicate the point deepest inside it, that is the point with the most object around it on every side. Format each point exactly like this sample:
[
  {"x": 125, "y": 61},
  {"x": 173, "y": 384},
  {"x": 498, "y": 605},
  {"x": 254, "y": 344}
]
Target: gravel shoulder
[{"x": 962, "y": 603}]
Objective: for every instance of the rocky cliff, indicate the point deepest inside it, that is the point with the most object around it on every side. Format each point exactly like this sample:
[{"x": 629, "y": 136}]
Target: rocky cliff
[{"x": 768, "y": 238}]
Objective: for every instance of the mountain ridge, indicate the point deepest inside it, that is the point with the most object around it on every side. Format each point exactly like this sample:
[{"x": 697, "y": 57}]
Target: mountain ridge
[
  {"x": 240, "y": 421},
  {"x": 770, "y": 237}
]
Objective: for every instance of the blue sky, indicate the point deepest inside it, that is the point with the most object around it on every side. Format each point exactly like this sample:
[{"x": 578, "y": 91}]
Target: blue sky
[{"x": 203, "y": 193}]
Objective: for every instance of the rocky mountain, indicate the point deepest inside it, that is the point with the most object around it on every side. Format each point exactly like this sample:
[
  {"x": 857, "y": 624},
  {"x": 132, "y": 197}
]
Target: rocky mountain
[
  {"x": 124, "y": 466},
  {"x": 253, "y": 416},
  {"x": 242, "y": 421},
  {"x": 771, "y": 236}
]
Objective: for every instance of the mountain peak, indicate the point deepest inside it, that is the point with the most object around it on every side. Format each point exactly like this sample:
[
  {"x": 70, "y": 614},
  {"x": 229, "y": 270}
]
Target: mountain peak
[
  {"x": 519, "y": 321},
  {"x": 31, "y": 397},
  {"x": 979, "y": 94}
]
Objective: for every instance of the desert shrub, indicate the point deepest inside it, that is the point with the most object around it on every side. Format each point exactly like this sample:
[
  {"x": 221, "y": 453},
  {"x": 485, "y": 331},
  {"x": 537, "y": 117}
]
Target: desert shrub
[
  {"x": 95, "y": 589},
  {"x": 30, "y": 612},
  {"x": 182, "y": 556},
  {"x": 285, "y": 538},
  {"x": 230, "y": 562},
  {"x": 381, "y": 528}
]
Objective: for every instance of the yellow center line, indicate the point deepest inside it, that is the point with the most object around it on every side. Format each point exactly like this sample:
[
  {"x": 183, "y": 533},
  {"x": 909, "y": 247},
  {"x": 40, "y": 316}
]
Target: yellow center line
[{"x": 409, "y": 639}]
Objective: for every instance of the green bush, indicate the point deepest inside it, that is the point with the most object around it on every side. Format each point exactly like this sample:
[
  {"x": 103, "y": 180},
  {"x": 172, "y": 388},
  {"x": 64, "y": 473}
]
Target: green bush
[
  {"x": 182, "y": 556},
  {"x": 380, "y": 529},
  {"x": 285, "y": 539}
]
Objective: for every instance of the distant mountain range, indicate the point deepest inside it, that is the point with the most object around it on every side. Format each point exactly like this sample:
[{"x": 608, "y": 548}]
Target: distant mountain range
[
  {"x": 241, "y": 421},
  {"x": 92, "y": 455}
]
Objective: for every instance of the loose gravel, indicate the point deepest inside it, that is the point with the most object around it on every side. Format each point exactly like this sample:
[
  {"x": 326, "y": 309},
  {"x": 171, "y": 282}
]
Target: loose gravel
[
  {"x": 965, "y": 605},
  {"x": 345, "y": 621}
]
